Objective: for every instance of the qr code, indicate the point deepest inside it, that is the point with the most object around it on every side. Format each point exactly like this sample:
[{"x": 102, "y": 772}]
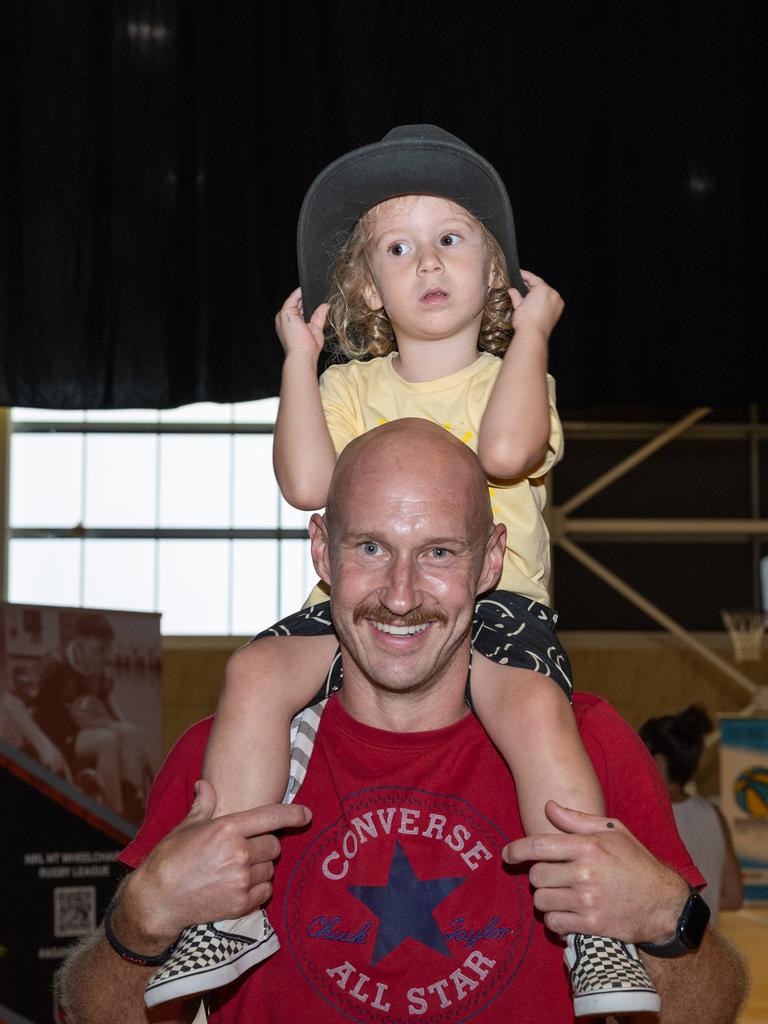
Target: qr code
[{"x": 74, "y": 910}]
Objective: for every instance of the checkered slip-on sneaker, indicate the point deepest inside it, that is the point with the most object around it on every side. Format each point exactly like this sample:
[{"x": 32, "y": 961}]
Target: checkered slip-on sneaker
[
  {"x": 608, "y": 977},
  {"x": 211, "y": 955}
]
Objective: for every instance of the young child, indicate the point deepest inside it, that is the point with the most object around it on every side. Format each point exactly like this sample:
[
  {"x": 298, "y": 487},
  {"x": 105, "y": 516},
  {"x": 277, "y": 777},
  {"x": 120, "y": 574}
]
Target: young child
[{"x": 414, "y": 241}]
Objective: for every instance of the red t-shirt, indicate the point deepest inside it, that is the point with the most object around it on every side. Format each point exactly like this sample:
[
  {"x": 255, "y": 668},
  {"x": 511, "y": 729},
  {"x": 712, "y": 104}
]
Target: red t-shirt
[{"x": 394, "y": 905}]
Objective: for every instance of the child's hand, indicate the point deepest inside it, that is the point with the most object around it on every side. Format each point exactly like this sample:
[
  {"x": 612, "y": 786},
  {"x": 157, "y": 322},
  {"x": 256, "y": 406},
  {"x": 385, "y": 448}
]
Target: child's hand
[
  {"x": 295, "y": 335},
  {"x": 540, "y": 309}
]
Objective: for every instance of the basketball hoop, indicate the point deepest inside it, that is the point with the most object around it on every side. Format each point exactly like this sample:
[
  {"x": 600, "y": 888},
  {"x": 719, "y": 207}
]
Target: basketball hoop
[{"x": 746, "y": 629}]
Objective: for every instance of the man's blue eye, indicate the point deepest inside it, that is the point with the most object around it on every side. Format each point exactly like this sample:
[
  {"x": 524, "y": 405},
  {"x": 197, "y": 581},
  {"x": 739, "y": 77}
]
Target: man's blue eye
[
  {"x": 370, "y": 548},
  {"x": 439, "y": 552}
]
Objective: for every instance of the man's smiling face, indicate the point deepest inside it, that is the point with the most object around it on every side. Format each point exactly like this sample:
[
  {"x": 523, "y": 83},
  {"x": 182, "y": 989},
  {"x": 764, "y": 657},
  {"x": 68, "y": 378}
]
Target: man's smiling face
[{"x": 408, "y": 535}]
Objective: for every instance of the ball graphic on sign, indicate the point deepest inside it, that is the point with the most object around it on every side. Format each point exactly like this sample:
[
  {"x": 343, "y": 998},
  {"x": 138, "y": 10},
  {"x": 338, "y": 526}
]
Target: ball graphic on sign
[{"x": 751, "y": 791}]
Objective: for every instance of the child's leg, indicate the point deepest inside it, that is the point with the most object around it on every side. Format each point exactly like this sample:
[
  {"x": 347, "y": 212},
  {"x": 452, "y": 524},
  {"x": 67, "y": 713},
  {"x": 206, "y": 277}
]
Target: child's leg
[
  {"x": 247, "y": 761},
  {"x": 530, "y": 720},
  {"x": 266, "y": 683}
]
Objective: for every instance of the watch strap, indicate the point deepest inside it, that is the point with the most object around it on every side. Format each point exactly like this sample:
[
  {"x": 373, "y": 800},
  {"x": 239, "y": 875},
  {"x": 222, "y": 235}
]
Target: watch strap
[{"x": 691, "y": 926}]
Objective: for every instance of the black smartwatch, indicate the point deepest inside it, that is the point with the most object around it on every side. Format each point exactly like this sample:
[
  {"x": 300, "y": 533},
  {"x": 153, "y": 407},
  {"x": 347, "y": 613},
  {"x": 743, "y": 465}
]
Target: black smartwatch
[{"x": 691, "y": 926}]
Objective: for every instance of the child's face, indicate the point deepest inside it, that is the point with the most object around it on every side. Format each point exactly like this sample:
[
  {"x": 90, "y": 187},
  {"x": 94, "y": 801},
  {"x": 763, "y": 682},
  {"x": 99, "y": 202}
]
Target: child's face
[{"x": 430, "y": 268}]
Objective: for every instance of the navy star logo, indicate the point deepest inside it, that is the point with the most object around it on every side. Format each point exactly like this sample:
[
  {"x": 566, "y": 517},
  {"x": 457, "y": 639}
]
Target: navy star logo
[{"x": 405, "y": 907}]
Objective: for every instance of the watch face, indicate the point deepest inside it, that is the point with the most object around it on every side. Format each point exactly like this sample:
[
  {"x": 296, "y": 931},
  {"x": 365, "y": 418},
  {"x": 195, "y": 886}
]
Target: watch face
[{"x": 693, "y": 921}]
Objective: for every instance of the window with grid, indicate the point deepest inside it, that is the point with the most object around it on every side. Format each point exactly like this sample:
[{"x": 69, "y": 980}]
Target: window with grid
[{"x": 175, "y": 511}]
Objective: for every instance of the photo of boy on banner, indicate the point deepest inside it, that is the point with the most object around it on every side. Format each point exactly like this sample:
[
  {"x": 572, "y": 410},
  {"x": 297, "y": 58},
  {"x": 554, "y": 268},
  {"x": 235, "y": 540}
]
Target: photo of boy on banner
[{"x": 81, "y": 694}]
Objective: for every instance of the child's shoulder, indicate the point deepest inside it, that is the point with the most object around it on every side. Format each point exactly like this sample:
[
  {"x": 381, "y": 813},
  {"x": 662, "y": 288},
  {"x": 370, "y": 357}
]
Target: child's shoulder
[{"x": 357, "y": 369}]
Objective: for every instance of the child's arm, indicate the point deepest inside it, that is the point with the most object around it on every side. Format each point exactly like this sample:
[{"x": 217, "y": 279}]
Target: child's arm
[
  {"x": 303, "y": 452},
  {"x": 516, "y": 422}
]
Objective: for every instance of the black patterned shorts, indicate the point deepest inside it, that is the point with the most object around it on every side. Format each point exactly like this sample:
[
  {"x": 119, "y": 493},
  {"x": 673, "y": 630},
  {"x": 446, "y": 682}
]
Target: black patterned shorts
[{"x": 507, "y": 628}]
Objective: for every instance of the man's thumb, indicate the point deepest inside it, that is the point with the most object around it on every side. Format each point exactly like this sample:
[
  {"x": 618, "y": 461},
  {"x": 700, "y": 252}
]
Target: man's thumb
[
  {"x": 566, "y": 819},
  {"x": 204, "y": 803}
]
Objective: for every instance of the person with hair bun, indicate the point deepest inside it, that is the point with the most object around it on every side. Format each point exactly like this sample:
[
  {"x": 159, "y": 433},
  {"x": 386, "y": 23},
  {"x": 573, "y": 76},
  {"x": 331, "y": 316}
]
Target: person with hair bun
[{"x": 677, "y": 743}]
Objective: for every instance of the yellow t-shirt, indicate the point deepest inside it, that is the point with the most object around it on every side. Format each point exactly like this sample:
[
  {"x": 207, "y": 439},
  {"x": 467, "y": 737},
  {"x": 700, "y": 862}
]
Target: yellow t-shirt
[{"x": 358, "y": 396}]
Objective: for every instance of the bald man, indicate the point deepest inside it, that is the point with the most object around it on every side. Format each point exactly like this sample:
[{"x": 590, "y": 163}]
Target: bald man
[{"x": 391, "y": 899}]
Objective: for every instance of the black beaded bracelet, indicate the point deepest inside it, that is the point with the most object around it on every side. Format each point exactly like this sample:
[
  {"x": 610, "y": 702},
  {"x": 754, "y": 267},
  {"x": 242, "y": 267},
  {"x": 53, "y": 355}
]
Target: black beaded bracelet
[{"x": 155, "y": 960}]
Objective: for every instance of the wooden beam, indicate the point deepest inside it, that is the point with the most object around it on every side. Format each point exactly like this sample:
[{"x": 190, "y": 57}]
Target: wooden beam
[
  {"x": 642, "y": 453},
  {"x": 655, "y": 613},
  {"x": 636, "y": 526}
]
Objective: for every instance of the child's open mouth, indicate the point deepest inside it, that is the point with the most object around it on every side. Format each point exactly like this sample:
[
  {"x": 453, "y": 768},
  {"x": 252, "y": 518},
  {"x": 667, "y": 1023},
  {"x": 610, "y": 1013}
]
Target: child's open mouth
[{"x": 434, "y": 295}]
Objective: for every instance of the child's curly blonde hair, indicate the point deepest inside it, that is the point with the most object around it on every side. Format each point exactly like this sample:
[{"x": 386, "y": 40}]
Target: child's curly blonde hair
[{"x": 358, "y": 331}]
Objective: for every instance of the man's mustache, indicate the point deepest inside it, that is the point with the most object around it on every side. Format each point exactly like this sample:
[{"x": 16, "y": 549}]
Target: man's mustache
[{"x": 415, "y": 617}]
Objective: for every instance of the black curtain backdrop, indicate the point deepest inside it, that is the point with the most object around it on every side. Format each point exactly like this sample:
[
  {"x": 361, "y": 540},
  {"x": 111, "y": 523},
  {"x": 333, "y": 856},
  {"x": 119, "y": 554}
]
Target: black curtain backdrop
[{"x": 155, "y": 154}]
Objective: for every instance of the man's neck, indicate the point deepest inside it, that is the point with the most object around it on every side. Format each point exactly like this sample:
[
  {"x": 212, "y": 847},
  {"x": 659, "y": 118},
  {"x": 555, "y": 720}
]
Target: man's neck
[{"x": 436, "y": 706}]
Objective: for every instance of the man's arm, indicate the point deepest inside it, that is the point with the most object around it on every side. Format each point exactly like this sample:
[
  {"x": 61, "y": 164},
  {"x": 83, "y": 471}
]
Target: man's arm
[
  {"x": 95, "y": 985},
  {"x": 731, "y": 881},
  {"x": 708, "y": 986},
  {"x": 594, "y": 877},
  {"x": 48, "y": 753},
  {"x": 205, "y": 870}
]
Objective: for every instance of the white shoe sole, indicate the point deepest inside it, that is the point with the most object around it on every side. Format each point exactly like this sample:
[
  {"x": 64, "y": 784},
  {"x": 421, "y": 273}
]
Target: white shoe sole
[
  {"x": 617, "y": 1002},
  {"x": 198, "y": 981}
]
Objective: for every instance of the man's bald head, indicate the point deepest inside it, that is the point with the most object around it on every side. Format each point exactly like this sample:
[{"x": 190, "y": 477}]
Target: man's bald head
[
  {"x": 396, "y": 455},
  {"x": 407, "y": 542}
]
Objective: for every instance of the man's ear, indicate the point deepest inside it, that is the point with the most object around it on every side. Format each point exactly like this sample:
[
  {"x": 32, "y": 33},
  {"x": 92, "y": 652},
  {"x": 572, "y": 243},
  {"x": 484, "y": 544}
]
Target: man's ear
[
  {"x": 319, "y": 545},
  {"x": 493, "y": 559}
]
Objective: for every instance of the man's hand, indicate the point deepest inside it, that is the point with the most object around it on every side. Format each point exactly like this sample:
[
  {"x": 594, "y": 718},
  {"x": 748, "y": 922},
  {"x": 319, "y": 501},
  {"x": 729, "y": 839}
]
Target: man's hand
[
  {"x": 594, "y": 877},
  {"x": 52, "y": 758},
  {"x": 205, "y": 870},
  {"x": 294, "y": 333}
]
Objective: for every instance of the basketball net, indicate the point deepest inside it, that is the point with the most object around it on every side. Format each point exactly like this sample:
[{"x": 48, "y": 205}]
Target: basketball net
[{"x": 746, "y": 630}]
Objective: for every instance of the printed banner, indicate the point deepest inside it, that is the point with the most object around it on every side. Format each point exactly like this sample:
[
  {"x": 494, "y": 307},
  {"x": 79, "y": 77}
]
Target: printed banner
[
  {"x": 59, "y": 872},
  {"x": 80, "y": 691},
  {"x": 80, "y": 740},
  {"x": 744, "y": 797}
]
